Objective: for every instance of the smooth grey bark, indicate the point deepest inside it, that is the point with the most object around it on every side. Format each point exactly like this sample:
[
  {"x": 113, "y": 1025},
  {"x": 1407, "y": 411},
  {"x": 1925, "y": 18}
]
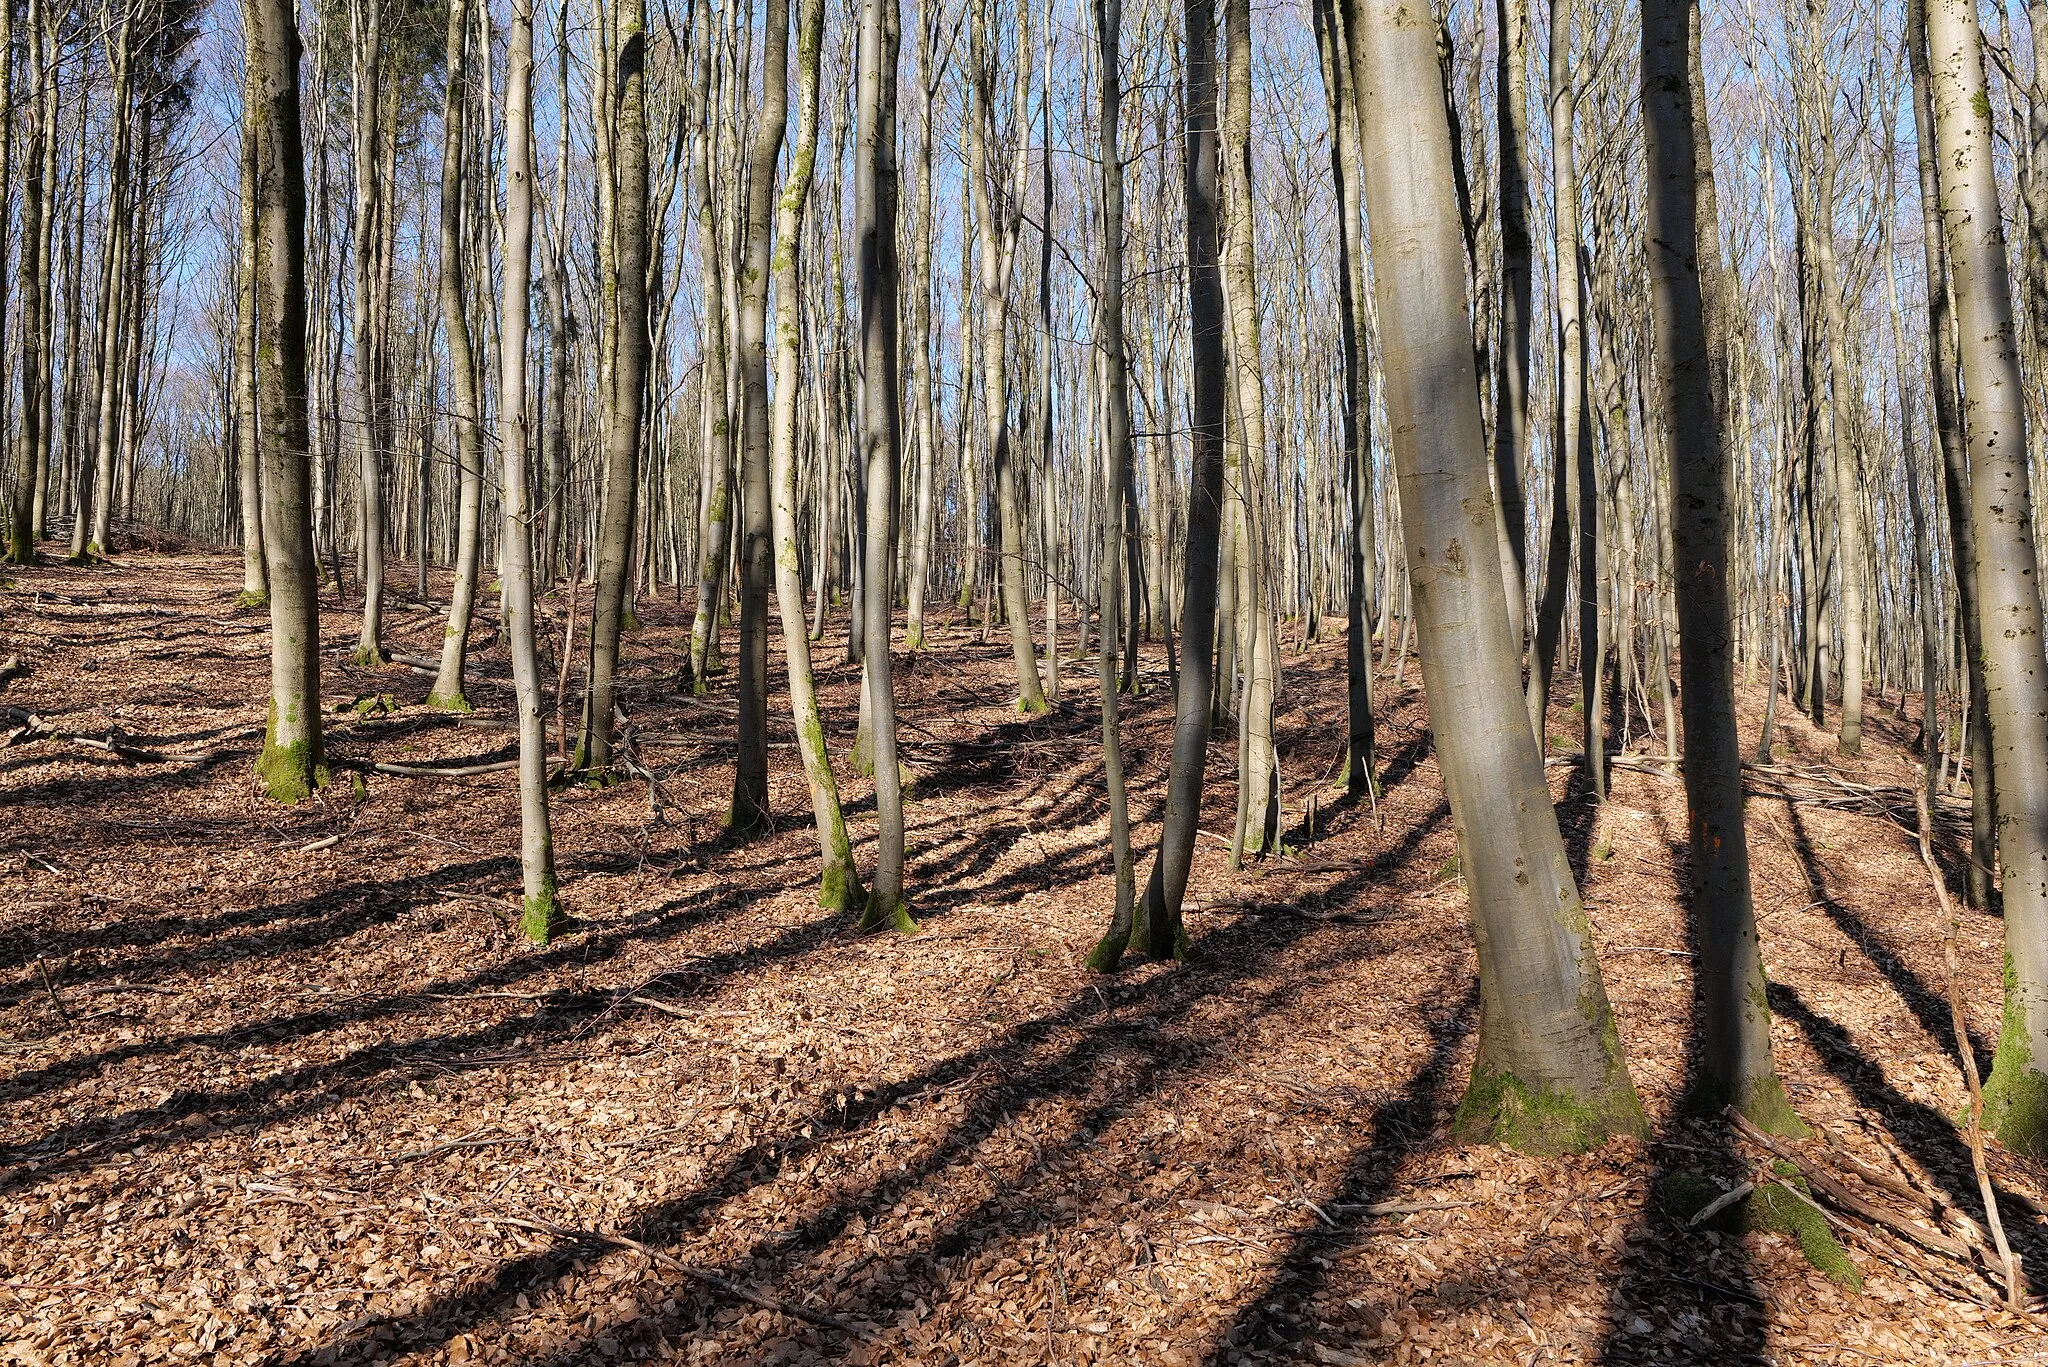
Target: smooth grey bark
[
  {"x": 839, "y": 886},
  {"x": 1335, "y": 44},
  {"x": 1549, "y": 1074},
  {"x": 255, "y": 572},
  {"x": 32, "y": 336},
  {"x": 92, "y": 529},
  {"x": 875, "y": 196},
  {"x": 540, "y": 913},
  {"x": 999, "y": 224},
  {"x": 367, "y": 22},
  {"x": 561, "y": 325},
  {"x": 447, "y": 691},
  {"x": 1116, "y": 467},
  {"x": 292, "y": 763},
  {"x": 2008, "y": 580},
  {"x": 715, "y": 440},
  {"x": 1733, "y": 1059},
  {"x": 1511, "y": 375},
  {"x": 625, "y": 292},
  {"x": 1159, "y": 929},
  {"x": 749, "y": 812},
  {"x": 1946, "y": 394}
]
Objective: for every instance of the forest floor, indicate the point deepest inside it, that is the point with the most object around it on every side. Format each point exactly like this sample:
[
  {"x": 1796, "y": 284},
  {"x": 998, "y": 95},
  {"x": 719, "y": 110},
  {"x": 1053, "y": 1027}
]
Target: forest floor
[{"x": 282, "y": 1086}]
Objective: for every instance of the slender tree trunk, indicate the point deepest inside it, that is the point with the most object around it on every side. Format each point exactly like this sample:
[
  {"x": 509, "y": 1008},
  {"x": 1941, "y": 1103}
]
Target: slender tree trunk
[
  {"x": 715, "y": 448},
  {"x": 540, "y": 915},
  {"x": 367, "y": 17},
  {"x": 1511, "y": 378},
  {"x": 875, "y": 195},
  {"x": 447, "y": 691},
  {"x": 626, "y": 292},
  {"x": 839, "y": 883},
  {"x": 749, "y": 813},
  {"x": 1549, "y": 1074},
  {"x": 1159, "y": 926},
  {"x": 292, "y": 763},
  {"x": 2008, "y": 582},
  {"x": 1116, "y": 467},
  {"x": 30, "y": 335},
  {"x": 93, "y": 530}
]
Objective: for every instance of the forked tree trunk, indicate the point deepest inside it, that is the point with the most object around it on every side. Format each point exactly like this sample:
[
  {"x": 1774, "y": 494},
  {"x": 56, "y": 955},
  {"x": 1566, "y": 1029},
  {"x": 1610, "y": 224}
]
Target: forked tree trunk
[
  {"x": 292, "y": 763},
  {"x": 875, "y": 192},
  {"x": 2008, "y": 582},
  {"x": 540, "y": 914},
  {"x": 1549, "y": 1074},
  {"x": 447, "y": 691},
  {"x": 749, "y": 813},
  {"x": 1734, "y": 1064}
]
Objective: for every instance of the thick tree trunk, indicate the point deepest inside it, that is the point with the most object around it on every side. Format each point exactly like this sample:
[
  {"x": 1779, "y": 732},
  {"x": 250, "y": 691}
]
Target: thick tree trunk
[
  {"x": 1955, "y": 465},
  {"x": 540, "y": 913},
  {"x": 1734, "y": 1064},
  {"x": 447, "y": 691},
  {"x": 1549, "y": 1074},
  {"x": 2008, "y": 582},
  {"x": 292, "y": 763}
]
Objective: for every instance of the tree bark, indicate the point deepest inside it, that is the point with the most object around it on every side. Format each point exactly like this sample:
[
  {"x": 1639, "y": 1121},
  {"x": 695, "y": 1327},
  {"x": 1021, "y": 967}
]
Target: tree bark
[
  {"x": 2008, "y": 582},
  {"x": 292, "y": 763},
  {"x": 1550, "y": 1074}
]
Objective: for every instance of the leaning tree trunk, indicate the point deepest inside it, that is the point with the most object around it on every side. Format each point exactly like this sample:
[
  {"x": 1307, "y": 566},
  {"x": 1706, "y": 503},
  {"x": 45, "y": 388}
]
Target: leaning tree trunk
[
  {"x": 447, "y": 691},
  {"x": 839, "y": 883},
  {"x": 749, "y": 813},
  {"x": 1549, "y": 1074},
  {"x": 1116, "y": 443},
  {"x": 1734, "y": 1055},
  {"x": 292, "y": 763},
  {"x": 626, "y": 291},
  {"x": 2008, "y": 582},
  {"x": 875, "y": 191},
  {"x": 1159, "y": 915},
  {"x": 540, "y": 915}
]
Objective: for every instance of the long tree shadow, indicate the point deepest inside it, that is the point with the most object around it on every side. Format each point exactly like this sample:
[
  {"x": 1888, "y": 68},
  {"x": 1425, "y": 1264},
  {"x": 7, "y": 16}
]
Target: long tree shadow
[
  {"x": 1039, "y": 1059},
  {"x": 1272, "y": 1317},
  {"x": 1929, "y": 1006},
  {"x": 1682, "y": 1294},
  {"x": 1922, "y": 1131}
]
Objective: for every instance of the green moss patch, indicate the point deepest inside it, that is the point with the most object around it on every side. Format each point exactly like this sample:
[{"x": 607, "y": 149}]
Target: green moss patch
[{"x": 1783, "y": 1206}]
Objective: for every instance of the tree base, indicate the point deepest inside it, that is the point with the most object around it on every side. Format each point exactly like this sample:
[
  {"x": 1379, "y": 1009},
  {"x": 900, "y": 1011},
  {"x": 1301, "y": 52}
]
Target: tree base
[
  {"x": 251, "y": 599},
  {"x": 1770, "y": 1209},
  {"x": 369, "y": 657},
  {"x": 839, "y": 890},
  {"x": 447, "y": 702},
  {"x": 291, "y": 772},
  {"x": 1108, "y": 954},
  {"x": 1033, "y": 707},
  {"x": 2016, "y": 1099},
  {"x": 887, "y": 915},
  {"x": 1761, "y": 1101},
  {"x": 1499, "y": 1108},
  {"x": 541, "y": 918}
]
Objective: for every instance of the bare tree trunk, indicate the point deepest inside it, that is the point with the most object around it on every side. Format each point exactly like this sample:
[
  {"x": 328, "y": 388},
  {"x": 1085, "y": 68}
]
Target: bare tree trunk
[
  {"x": 447, "y": 691},
  {"x": 92, "y": 532},
  {"x": 1549, "y": 1074},
  {"x": 1116, "y": 467},
  {"x": 749, "y": 813},
  {"x": 31, "y": 337},
  {"x": 1159, "y": 927},
  {"x": 292, "y": 764},
  {"x": 626, "y": 293},
  {"x": 1734, "y": 1056},
  {"x": 2008, "y": 582},
  {"x": 540, "y": 912},
  {"x": 1511, "y": 378},
  {"x": 715, "y": 446},
  {"x": 367, "y": 18}
]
